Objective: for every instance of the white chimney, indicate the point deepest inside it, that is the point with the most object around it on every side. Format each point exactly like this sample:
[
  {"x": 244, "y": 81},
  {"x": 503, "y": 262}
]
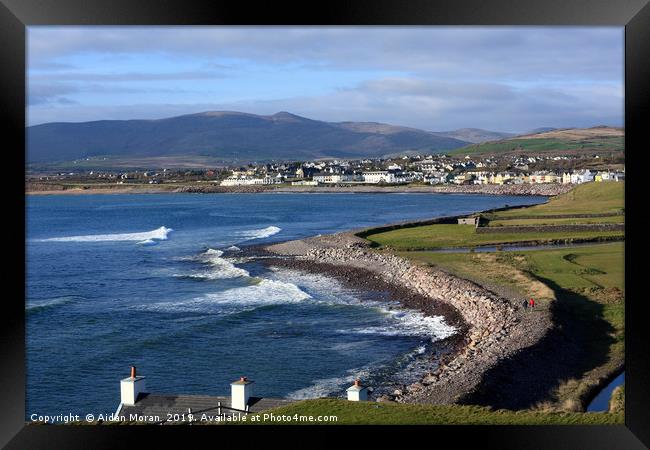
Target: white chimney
[
  {"x": 357, "y": 393},
  {"x": 131, "y": 387},
  {"x": 241, "y": 391}
]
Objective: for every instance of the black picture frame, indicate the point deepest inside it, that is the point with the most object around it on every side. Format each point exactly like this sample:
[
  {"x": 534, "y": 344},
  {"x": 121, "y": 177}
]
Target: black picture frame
[{"x": 15, "y": 15}]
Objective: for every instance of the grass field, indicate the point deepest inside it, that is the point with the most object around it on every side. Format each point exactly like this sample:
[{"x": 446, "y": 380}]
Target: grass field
[
  {"x": 373, "y": 413},
  {"x": 562, "y": 221},
  {"x": 587, "y": 198},
  {"x": 450, "y": 235},
  {"x": 586, "y": 284}
]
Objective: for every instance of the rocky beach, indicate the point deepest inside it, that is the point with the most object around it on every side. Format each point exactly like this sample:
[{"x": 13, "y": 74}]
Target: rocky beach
[
  {"x": 545, "y": 189},
  {"x": 491, "y": 326}
]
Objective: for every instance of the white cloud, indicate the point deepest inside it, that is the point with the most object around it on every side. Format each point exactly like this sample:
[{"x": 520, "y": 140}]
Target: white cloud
[{"x": 501, "y": 78}]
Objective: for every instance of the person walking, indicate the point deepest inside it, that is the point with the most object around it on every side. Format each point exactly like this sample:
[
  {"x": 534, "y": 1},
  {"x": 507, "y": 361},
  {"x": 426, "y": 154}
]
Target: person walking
[
  {"x": 531, "y": 303},
  {"x": 525, "y": 304}
]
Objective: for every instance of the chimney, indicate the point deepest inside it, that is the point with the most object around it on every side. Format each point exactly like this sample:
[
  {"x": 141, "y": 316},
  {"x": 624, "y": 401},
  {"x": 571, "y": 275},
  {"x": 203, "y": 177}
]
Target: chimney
[
  {"x": 357, "y": 392},
  {"x": 131, "y": 387},
  {"x": 241, "y": 391}
]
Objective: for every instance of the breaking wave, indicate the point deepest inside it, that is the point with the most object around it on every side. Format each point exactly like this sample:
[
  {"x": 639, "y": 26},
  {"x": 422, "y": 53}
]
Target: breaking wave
[
  {"x": 34, "y": 307},
  {"x": 220, "y": 268},
  {"x": 266, "y": 292},
  {"x": 409, "y": 323},
  {"x": 398, "y": 321},
  {"x": 259, "y": 234},
  {"x": 326, "y": 386},
  {"x": 144, "y": 238}
]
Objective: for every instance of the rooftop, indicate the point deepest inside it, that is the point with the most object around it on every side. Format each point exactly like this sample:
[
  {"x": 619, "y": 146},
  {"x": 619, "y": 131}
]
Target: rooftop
[{"x": 152, "y": 405}]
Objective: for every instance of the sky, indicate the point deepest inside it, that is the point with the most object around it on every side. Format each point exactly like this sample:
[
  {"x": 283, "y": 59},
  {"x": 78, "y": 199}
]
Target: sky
[{"x": 435, "y": 78}]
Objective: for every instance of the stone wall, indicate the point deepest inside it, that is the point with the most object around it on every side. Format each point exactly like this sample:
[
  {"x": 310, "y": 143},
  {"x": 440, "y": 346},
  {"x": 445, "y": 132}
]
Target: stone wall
[
  {"x": 547, "y": 189},
  {"x": 550, "y": 216},
  {"x": 552, "y": 228}
]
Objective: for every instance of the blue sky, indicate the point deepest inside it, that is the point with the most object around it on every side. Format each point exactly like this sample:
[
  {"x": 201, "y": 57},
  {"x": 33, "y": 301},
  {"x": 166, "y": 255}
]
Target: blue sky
[{"x": 434, "y": 78}]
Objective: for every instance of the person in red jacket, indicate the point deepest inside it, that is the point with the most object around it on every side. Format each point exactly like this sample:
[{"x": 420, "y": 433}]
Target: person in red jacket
[{"x": 531, "y": 303}]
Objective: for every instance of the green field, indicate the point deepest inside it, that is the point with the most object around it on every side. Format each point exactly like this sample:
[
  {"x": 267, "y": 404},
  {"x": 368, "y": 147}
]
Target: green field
[
  {"x": 449, "y": 235},
  {"x": 588, "y": 198},
  {"x": 586, "y": 282},
  {"x": 597, "y": 271},
  {"x": 374, "y": 413},
  {"x": 564, "y": 221}
]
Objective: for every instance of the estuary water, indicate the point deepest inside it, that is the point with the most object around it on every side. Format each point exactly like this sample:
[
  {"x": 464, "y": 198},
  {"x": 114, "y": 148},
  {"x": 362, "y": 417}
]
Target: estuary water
[{"x": 157, "y": 281}]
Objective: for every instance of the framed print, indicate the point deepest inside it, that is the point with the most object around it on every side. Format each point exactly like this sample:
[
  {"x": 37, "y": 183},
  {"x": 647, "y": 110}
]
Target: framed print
[{"x": 331, "y": 218}]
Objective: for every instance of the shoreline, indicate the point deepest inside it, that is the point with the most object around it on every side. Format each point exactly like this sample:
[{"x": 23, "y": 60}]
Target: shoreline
[
  {"x": 491, "y": 327},
  {"x": 437, "y": 351},
  {"x": 500, "y": 337},
  {"x": 497, "y": 330},
  {"x": 550, "y": 189}
]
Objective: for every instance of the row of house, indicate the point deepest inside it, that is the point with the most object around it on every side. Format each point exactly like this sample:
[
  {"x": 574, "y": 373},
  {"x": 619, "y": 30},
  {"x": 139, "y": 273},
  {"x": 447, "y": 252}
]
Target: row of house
[
  {"x": 395, "y": 176},
  {"x": 577, "y": 177},
  {"x": 248, "y": 180},
  {"x": 372, "y": 177}
]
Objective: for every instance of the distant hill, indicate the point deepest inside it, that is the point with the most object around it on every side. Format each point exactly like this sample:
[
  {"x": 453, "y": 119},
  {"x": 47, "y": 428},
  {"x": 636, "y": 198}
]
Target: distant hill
[
  {"x": 601, "y": 139},
  {"x": 228, "y": 135},
  {"x": 541, "y": 130},
  {"x": 475, "y": 135}
]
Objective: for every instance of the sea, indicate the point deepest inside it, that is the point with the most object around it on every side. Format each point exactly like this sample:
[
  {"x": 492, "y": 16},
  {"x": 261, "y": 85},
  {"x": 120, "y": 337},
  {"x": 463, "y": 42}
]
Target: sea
[{"x": 158, "y": 281}]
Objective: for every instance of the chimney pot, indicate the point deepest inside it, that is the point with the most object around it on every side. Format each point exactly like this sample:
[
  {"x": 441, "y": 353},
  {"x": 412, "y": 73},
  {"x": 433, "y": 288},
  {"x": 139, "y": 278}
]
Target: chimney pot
[
  {"x": 241, "y": 392},
  {"x": 357, "y": 392},
  {"x": 131, "y": 387}
]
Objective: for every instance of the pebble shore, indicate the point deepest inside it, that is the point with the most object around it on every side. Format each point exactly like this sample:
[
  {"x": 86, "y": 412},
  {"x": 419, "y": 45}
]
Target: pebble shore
[{"x": 492, "y": 327}]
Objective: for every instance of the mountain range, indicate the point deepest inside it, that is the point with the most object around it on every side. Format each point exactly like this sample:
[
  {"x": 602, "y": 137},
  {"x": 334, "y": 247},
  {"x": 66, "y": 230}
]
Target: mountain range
[
  {"x": 237, "y": 135},
  {"x": 231, "y": 135}
]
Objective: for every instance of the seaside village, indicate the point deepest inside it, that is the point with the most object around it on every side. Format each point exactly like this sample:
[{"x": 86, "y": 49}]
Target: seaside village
[
  {"x": 428, "y": 170},
  {"x": 431, "y": 169}
]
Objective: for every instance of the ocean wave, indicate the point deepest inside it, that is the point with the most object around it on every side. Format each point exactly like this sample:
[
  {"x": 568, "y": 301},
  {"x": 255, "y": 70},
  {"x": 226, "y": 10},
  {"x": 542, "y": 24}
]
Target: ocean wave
[
  {"x": 159, "y": 234},
  {"x": 259, "y": 234},
  {"x": 408, "y": 323},
  {"x": 34, "y": 307},
  {"x": 266, "y": 292},
  {"x": 220, "y": 268},
  {"x": 327, "y": 386},
  {"x": 324, "y": 289},
  {"x": 147, "y": 242},
  {"x": 399, "y": 321}
]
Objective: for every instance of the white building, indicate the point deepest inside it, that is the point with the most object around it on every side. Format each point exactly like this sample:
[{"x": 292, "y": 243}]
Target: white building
[
  {"x": 584, "y": 176},
  {"x": 333, "y": 178},
  {"x": 379, "y": 176},
  {"x": 250, "y": 181}
]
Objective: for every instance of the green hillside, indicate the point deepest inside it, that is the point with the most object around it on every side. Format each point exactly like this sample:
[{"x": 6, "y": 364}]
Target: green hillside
[{"x": 545, "y": 145}]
